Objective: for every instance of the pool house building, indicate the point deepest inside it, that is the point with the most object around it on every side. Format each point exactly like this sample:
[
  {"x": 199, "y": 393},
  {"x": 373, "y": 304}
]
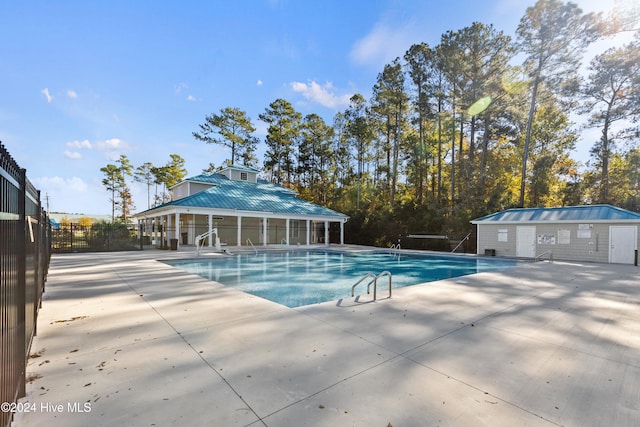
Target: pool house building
[
  {"x": 234, "y": 207},
  {"x": 593, "y": 233}
]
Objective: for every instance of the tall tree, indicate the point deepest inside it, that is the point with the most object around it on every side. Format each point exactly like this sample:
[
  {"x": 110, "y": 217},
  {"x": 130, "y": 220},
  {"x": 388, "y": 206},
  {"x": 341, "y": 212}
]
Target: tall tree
[
  {"x": 420, "y": 61},
  {"x": 174, "y": 170},
  {"x": 144, "y": 174},
  {"x": 124, "y": 192},
  {"x": 475, "y": 58},
  {"x": 552, "y": 141},
  {"x": 343, "y": 169},
  {"x": 315, "y": 152},
  {"x": 111, "y": 182},
  {"x": 231, "y": 128},
  {"x": 390, "y": 103},
  {"x": 552, "y": 35},
  {"x": 611, "y": 94},
  {"x": 283, "y": 131},
  {"x": 169, "y": 175},
  {"x": 359, "y": 134}
]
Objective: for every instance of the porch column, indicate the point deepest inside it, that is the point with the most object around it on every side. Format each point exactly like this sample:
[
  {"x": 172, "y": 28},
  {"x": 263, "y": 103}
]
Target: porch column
[
  {"x": 342, "y": 232},
  {"x": 265, "y": 236},
  {"x": 239, "y": 230},
  {"x": 177, "y": 236},
  {"x": 286, "y": 221},
  {"x": 326, "y": 233},
  {"x": 308, "y": 231},
  {"x": 210, "y": 227},
  {"x": 163, "y": 233}
]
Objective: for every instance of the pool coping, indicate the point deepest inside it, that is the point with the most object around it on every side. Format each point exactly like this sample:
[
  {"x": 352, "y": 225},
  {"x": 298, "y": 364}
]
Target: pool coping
[{"x": 384, "y": 270}]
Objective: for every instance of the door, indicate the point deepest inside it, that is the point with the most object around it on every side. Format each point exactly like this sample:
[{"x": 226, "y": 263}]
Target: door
[
  {"x": 622, "y": 244},
  {"x": 526, "y": 242}
]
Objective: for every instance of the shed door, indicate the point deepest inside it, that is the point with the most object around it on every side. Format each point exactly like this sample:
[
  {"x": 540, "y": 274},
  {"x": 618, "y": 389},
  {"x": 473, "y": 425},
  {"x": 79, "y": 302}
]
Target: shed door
[
  {"x": 526, "y": 242},
  {"x": 622, "y": 244}
]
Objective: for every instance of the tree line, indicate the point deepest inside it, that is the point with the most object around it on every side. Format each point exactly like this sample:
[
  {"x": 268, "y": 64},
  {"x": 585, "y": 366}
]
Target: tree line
[{"x": 462, "y": 129}]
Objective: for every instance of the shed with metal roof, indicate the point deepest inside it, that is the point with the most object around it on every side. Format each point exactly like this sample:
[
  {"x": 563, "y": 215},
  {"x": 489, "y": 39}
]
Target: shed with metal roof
[
  {"x": 234, "y": 207},
  {"x": 597, "y": 233}
]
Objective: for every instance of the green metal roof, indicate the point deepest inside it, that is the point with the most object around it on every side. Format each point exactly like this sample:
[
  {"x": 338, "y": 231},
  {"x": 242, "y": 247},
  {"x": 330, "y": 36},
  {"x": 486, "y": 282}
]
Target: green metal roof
[
  {"x": 262, "y": 196},
  {"x": 567, "y": 213}
]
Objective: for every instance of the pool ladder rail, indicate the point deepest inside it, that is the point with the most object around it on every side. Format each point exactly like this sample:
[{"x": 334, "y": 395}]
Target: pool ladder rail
[
  {"x": 539, "y": 257},
  {"x": 374, "y": 280},
  {"x": 250, "y": 243}
]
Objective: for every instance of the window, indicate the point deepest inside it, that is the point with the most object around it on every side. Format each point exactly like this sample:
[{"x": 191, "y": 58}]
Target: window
[{"x": 243, "y": 176}]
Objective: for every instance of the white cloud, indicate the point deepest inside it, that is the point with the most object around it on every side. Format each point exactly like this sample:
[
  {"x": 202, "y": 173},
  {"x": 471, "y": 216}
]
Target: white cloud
[
  {"x": 191, "y": 98},
  {"x": 112, "y": 148},
  {"x": 54, "y": 183},
  {"x": 323, "y": 95},
  {"x": 74, "y": 155},
  {"x": 181, "y": 87},
  {"x": 47, "y": 95},
  {"x": 383, "y": 44},
  {"x": 259, "y": 82},
  {"x": 72, "y": 94},
  {"x": 79, "y": 144}
]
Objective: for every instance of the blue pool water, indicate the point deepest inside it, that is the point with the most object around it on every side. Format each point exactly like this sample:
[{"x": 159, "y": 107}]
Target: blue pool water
[{"x": 301, "y": 278}]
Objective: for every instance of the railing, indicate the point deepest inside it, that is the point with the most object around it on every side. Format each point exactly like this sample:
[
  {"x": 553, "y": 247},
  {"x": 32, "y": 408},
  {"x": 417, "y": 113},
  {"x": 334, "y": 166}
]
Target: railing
[
  {"x": 201, "y": 237},
  {"x": 25, "y": 237},
  {"x": 539, "y": 257},
  {"x": 362, "y": 280},
  {"x": 374, "y": 281},
  {"x": 249, "y": 242},
  {"x": 461, "y": 242}
]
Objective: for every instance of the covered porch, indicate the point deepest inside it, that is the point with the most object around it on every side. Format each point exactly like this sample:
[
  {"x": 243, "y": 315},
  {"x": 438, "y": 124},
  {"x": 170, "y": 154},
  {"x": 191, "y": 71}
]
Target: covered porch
[{"x": 236, "y": 228}]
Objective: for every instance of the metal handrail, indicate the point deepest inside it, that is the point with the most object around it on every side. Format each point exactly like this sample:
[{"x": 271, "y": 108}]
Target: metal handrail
[
  {"x": 462, "y": 241},
  {"x": 201, "y": 237},
  {"x": 539, "y": 257},
  {"x": 361, "y": 280},
  {"x": 375, "y": 284},
  {"x": 396, "y": 248},
  {"x": 251, "y": 243}
]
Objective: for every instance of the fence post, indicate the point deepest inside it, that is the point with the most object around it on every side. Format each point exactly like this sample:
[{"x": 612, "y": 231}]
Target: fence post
[{"x": 21, "y": 253}]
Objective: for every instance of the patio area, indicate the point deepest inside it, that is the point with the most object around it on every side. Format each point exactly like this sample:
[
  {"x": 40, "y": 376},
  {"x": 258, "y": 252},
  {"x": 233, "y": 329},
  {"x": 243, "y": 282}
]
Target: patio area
[{"x": 126, "y": 340}]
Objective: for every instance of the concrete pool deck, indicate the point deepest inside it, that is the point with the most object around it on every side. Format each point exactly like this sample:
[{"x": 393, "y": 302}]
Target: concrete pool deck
[{"x": 126, "y": 340}]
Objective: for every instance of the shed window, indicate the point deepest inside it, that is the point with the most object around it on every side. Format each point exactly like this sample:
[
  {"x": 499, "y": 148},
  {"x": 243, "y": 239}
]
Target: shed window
[
  {"x": 503, "y": 235},
  {"x": 243, "y": 176}
]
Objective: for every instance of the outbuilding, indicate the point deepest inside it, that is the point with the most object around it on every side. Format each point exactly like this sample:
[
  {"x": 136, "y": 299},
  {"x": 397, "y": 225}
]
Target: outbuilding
[
  {"x": 595, "y": 233},
  {"x": 234, "y": 207}
]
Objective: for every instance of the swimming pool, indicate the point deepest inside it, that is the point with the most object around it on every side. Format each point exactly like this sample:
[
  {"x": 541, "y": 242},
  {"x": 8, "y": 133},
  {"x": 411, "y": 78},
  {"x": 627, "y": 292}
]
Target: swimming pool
[{"x": 301, "y": 278}]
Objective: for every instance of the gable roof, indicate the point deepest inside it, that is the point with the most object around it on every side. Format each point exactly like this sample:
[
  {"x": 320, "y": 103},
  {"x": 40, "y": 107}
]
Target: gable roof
[
  {"x": 263, "y": 196},
  {"x": 591, "y": 213}
]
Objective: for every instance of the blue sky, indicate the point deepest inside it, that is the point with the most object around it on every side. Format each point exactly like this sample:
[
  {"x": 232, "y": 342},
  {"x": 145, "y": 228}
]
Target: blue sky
[{"x": 82, "y": 82}]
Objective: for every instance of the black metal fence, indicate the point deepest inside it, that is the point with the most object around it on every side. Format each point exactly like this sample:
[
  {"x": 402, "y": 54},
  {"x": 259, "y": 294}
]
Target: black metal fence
[
  {"x": 99, "y": 237},
  {"x": 24, "y": 261}
]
